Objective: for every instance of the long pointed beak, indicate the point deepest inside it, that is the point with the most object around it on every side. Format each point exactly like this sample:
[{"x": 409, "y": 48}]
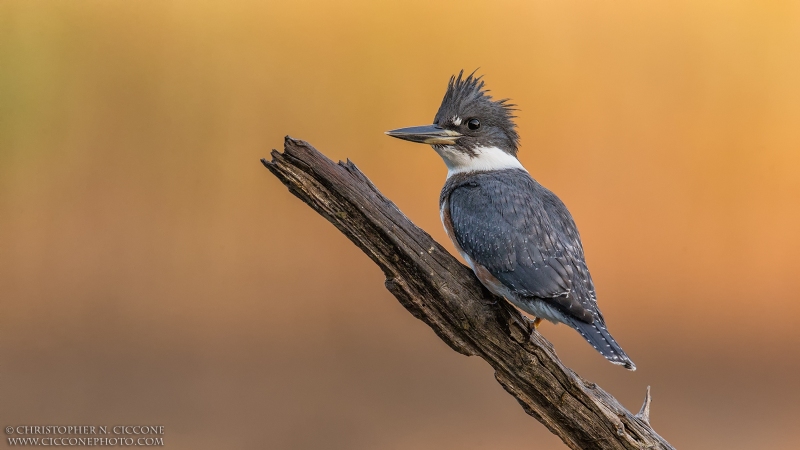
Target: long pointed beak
[{"x": 427, "y": 134}]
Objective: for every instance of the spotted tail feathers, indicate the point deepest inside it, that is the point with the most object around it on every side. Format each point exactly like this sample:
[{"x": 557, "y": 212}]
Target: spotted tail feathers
[{"x": 596, "y": 334}]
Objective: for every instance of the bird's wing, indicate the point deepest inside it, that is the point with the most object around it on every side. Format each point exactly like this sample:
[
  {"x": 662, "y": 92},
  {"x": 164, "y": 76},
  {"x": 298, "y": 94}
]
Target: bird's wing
[{"x": 525, "y": 237}]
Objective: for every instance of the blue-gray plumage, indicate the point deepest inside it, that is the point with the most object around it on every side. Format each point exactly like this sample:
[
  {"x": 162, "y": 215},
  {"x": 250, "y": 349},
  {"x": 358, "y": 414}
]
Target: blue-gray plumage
[{"x": 518, "y": 237}]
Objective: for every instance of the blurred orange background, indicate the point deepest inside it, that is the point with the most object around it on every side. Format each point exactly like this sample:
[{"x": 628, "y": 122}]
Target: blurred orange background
[{"x": 152, "y": 272}]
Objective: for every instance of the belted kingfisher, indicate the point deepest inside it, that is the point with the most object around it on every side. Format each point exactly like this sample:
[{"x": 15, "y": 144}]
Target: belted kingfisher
[{"x": 517, "y": 236}]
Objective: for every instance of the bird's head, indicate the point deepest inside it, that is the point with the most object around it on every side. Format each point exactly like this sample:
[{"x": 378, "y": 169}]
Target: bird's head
[{"x": 471, "y": 132}]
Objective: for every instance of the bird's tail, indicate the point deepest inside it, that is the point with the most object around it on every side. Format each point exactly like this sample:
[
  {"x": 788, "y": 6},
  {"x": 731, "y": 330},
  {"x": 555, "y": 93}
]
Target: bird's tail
[{"x": 596, "y": 334}]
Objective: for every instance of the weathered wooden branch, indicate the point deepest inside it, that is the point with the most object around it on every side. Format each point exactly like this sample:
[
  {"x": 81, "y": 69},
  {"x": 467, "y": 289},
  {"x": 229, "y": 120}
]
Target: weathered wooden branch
[{"x": 444, "y": 294}]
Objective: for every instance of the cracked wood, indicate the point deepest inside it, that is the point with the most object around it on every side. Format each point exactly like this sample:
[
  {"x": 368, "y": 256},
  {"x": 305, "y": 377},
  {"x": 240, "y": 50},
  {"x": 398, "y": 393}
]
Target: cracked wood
[{"x": 437, "y": 289}]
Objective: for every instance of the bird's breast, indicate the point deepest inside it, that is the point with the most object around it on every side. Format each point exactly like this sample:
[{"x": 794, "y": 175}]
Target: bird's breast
[
  {"x": 447, "y": 222},
  {"x": 482, "y": 273}
]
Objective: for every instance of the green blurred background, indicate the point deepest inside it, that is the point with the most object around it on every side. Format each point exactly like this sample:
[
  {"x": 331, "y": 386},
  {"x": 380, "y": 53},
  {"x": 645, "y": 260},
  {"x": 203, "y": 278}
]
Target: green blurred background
[{"x": 152, "y": 272}]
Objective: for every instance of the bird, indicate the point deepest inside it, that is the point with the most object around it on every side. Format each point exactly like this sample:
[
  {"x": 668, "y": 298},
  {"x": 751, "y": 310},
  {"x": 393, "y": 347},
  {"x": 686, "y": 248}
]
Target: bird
[{"x": 517, "y": 236}]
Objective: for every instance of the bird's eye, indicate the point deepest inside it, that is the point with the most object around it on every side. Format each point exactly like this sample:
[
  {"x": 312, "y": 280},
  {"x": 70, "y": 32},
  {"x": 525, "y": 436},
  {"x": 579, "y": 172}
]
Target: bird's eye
[{"x": 474, "y": 124}]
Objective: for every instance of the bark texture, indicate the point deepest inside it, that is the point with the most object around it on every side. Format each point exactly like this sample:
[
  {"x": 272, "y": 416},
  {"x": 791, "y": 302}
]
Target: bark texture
[{"x": 439, "y": 290}]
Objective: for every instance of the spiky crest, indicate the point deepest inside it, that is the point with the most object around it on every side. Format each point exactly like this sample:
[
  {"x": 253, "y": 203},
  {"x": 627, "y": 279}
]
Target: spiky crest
[{"x": 466, "y": 97}]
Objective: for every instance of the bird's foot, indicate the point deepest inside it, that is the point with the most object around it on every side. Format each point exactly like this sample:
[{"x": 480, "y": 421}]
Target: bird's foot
[{"x": 536, "y": 323}]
